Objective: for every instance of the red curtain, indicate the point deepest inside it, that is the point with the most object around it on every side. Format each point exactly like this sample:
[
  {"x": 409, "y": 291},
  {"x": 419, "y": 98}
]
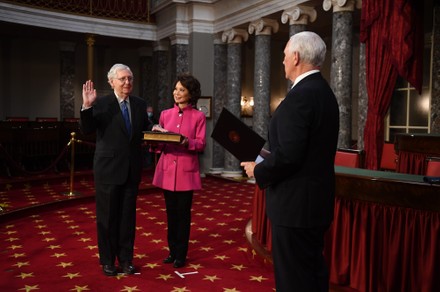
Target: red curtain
[
  {"x": 391, "y": 31},
  {"x": 412, "y": 162}
]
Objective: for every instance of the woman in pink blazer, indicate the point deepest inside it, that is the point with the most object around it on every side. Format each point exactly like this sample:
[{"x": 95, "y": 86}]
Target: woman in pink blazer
[{"x": 177, "y": 171}]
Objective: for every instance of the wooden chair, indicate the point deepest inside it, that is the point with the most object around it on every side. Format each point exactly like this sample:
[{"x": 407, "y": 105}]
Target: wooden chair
[
  {"x": 388, "y": 160},
  {"x": 433, "y": 166},
  {"x": 349, "y": 158}
]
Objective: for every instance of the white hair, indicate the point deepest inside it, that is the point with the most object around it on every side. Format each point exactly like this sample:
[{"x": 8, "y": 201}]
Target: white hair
[
  {"x": 115, "y": 68},
  {"x": 310, "y": 46}
]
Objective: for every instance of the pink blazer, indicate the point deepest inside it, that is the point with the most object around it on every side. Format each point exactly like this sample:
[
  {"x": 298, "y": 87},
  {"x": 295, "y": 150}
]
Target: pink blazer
[{"x": 178, "y": 167}]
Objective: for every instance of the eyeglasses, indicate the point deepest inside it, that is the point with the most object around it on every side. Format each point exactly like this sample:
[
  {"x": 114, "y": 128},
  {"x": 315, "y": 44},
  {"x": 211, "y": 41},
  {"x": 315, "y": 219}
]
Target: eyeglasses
[{"x": 123, "y": 79}]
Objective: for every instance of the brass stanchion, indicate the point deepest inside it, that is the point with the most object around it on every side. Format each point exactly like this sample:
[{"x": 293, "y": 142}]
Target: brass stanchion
[{"x": 72, "y": 165}]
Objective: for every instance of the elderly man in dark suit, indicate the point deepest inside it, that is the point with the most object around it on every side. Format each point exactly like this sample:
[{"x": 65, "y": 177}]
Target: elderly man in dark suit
[
  {"x": 118, "y": 120},
  {"x": 299, "y": 171}
]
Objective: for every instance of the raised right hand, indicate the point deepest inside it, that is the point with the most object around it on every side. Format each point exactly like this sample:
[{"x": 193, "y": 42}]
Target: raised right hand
[{"x": 88, "y": 94}]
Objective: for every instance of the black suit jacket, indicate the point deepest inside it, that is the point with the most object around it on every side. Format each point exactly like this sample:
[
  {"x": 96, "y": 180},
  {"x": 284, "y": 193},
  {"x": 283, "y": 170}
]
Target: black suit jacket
[
  {"x": 299, "y": 173},
  {"x": 117, "y": 154}
]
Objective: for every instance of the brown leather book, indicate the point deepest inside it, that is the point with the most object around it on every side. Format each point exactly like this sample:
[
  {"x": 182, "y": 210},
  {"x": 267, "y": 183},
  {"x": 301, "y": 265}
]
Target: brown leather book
[{"x": 167, "y": 137}]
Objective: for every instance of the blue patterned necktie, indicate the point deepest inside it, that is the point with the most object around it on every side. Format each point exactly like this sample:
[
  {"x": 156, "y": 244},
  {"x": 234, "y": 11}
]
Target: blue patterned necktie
[{"x": 126, "y": 116}]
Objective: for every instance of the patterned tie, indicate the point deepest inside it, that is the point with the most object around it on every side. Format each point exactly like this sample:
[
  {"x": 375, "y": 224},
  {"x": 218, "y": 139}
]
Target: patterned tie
[{"x": 126, "y": 116}]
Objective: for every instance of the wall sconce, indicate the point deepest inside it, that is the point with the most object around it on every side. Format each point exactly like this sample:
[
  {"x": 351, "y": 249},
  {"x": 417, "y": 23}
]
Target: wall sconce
[{"x": 247, "y": 106}]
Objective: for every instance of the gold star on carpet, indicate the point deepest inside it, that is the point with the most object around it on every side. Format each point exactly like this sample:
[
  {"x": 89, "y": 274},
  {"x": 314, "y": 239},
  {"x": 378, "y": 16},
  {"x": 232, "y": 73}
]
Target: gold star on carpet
[
  {"x": 69, "y": 221},
  {"x": 223, "y": 257},
  {"x": 230, "y": 290},
  {"x": 80, "y": 288},
  {"x": 38, "y": 220},
  {"x": 206, "y": 248},
  {"x": 139, "y": 228},
  {"x": 140, "y": 256},
  {"x": 215, "y": 235},
  {"x": 221, "y": 224},
  {"x": 10, "y": 232},
  {"x": 21, "y": 264},
  {"x": 44, "y": 232},
  {"x": 11, "y": 239},
  {"x": 47, "y": 239},
  {"x": 25, "y": 275},
  {"x": 258, "y": 279},
  {"x": 227, "y": 214},
  {"x": 92, "y": 247},
  {"x": 235, "y": 229},
  {"x": 14, "y": 247},
  {"x": 88, "y": 212},
  {"x": 176, "y": 289},
  {"x": 209, "y": 219},
  {"x": 211, "y": 278},
  {"x": 242, "y": 249},
  {"x": 28, "y": 288},
  {"x": 156, "y": 240},
  {"x": 194, "y": 241},
  {"x": 229, "y": 241},
  {"x": 84, "y": 239},
  {"x": 64, "y": 264},
  {"x": 53, "y": 246},
  {"x": 146, "y": 233},
  {"x": 41, "y": 226},
  {"x": 130, "y": 289},
  {"x": 73, "y": 227},
  {"x": 164, "y": 277},
  {"x": 238, "y": 219},
  {"x": 202, "y": 228},
  {"x": 65, "y": 216},
  {"x": 18, "y": 255},
  {"x": 58, "y": 255},
  {"x": 160, "y": 223},
  {"x": 195, "y": 266},
  {"x": 151, "y": 265},
  {"x": 72, "y": 275},
  {"x": 238, "y": 267}
]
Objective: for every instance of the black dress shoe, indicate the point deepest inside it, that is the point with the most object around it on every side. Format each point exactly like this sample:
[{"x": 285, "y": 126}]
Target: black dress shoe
[
  {"x": 169, "y": 260},
  {"x": 109, "y": 270},
  {"x": 128, "y": 268},
  {"x": 179, "y": 263}
]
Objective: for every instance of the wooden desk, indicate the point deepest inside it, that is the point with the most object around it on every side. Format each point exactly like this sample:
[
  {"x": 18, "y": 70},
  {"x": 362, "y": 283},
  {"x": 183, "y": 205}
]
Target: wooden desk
[
  {"x": 413, "y": 149},
  {"x": 385, "y": 235}
]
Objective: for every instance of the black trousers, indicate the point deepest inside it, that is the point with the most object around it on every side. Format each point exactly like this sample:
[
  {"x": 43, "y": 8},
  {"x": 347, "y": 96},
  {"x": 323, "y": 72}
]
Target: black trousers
[
  {"x": 178, "y": 206},
  {"x": 116, "y": 221},
  {"x": 298, "y": 260}
]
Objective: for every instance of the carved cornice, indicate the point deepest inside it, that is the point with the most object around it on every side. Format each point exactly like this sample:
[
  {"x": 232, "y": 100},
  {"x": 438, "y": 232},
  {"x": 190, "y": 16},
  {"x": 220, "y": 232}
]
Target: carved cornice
[
  {"x": 299, "y": 14},
  {"x": 263, "y": 26},
  {"x": 235, "y": 36},
  {"x": 341, "y": 5}
]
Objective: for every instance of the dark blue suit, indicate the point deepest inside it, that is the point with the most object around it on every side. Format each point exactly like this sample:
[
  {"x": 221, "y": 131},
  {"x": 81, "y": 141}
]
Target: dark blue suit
[
  {"x": 300, "y": 180},
  {"x": 117, "y": 169}
]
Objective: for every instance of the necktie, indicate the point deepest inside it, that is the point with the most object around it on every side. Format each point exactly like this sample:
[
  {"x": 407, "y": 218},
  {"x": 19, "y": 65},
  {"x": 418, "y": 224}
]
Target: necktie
[{"x": 126, "y": 116}]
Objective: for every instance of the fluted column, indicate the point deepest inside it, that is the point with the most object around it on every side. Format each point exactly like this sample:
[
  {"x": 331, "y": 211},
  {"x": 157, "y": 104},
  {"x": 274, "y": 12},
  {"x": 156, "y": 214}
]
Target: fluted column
[
  {"x": 263, "y": 29},
  {"x": 234, "y": 39},
  {"x": 161, "y": 79},
  {"x": 90, "y": 41},
  {"x": 146, "y": 77},
  {"x": 363, "y": 97},
  {"x": 179, "y": 55},
  {"x": 219, "y": 98},
  {"x": 435, "y": 97},
  {"x": 67, "y": 78},
  {"x": 298, "y": 17},
  {"x": 341, "y": 67}
]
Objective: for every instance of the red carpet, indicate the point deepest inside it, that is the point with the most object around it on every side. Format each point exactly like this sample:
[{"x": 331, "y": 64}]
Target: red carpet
[{"x": 54, "y": 248}]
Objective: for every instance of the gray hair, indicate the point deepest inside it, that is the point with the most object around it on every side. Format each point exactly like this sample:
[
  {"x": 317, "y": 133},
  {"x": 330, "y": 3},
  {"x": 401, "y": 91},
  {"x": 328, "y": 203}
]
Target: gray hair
[
  {"x": 310, "y": 46},
  {"x": 115, "y": 68}
]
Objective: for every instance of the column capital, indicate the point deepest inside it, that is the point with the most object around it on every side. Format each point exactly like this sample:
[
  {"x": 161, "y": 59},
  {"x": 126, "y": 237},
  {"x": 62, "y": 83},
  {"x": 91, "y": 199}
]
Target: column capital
[
  {"x": 299, "y": 14},
  {"x": 235, "y": 35},
  {"x": 90, "y": 40},
  {"x": 179, "y": 39},
  {"x": 263, "y": 26},
  {"x": 341, "y": 5}
]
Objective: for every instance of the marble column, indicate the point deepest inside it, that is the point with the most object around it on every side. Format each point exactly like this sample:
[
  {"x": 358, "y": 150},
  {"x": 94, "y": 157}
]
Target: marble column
[
  {"x": 234, "y": 39},
  {"x": 90, "y": 41},
  {"x": 341, "y": 67},
  {"x": 263, "y": 29},
  {"x": 67, "y": 78},
  {"x": 161, "y": 79},
  {"x": 219, "y": 97},
  {"x": 435, "y": 97},
  {"x": 362, "y": 98},
  {"x": 145, "y": 80},
  {"x": 179, "y": 55},
  {"x": 298, "y": 17}
]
